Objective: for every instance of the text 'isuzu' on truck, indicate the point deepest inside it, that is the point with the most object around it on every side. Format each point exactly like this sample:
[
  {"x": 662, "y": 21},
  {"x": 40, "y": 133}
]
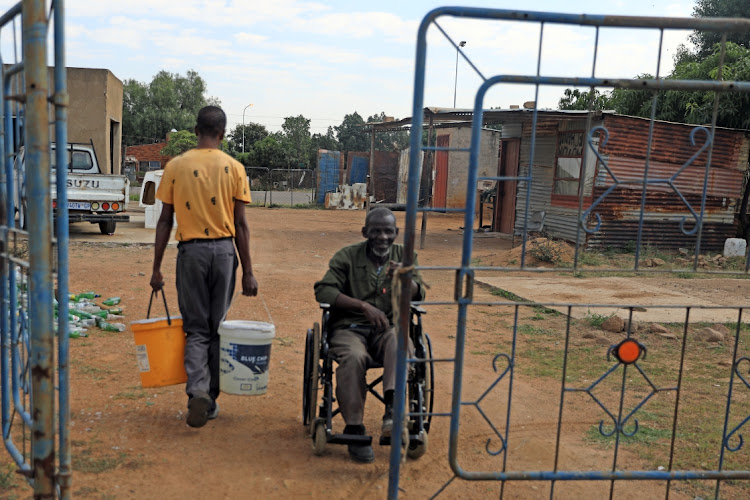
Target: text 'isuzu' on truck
[{"x": 92, "y": 196}]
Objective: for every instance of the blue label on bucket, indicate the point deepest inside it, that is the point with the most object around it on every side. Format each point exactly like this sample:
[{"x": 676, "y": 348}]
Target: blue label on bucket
[{"x": 255, "y": 357}]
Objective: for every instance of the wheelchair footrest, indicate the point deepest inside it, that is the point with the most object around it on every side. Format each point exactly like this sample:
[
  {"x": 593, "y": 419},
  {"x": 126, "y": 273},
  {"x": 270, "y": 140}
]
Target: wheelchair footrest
[{"x": 350, "y": 439}]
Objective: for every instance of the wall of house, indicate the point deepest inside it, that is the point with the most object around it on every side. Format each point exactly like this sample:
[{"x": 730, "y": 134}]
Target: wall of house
[
  {"x": 625, "y": 155},
  {"x": 458, "y": 161},
  {"x": 672, "y": 157},
  {"x": 148, "y": 152},
  {"x": 96, "y": 102},
  {"x": 94, "y": 105},
  {"x": 559, "y": 221}
]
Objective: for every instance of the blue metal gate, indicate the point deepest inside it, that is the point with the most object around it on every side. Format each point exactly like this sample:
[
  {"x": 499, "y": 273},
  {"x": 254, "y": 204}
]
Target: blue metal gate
[
  {"x": 636, "y": 386},
  {"x": 34, "y": 354}
]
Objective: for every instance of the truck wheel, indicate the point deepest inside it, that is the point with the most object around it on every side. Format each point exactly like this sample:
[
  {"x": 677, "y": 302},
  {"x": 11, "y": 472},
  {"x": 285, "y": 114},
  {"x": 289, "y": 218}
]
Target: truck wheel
[{"x": 107, "y": 226}]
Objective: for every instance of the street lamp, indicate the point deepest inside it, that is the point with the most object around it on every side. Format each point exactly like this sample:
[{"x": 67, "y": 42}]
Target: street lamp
[
  {"x": 243, "y": 127},
  {"x": 455, "y": 83}
]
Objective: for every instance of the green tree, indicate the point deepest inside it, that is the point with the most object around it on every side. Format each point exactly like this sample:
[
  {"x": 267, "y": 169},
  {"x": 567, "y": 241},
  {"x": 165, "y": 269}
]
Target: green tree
[
  {"x": 296, "y": 140},
  {"x": 394, "y": 140},
  {"x": 179, "y": 142},
  {"x": 269, "y": 153},
  {"x": 705, "y": 41},
  {"x": 321, "y": 141},
  {"x": 351, "y": 133},
  {"x": 580, "y": 100},
  {"x": 697, "y": 106},
  {"x": 632, "y": 102},
  {"x": 253, "y": 132},
  {"x": 170, "y": 101}
]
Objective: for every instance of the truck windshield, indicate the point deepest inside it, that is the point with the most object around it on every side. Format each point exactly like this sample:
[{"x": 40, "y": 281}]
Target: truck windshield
[{"x": 77, "y": 160}]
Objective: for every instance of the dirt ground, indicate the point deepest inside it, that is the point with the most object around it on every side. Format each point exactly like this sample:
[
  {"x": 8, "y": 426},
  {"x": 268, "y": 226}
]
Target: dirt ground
[{"x": 130, "y": 442}]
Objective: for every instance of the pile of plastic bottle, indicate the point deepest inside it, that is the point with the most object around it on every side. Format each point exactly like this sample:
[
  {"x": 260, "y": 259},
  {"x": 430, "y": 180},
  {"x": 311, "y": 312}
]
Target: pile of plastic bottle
[{"x": 85, "y": 313}]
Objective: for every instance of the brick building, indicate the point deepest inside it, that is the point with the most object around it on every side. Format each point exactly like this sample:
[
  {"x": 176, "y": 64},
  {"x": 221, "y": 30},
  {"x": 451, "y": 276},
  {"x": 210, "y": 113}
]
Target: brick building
[{"x": 147, "y": 157}]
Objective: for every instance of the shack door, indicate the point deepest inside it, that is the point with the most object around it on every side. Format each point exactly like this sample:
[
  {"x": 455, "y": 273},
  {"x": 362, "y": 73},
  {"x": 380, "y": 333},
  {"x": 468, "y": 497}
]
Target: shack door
[
  {"x": 441, "y": 172},
  {"x": 505, "y": 202}
]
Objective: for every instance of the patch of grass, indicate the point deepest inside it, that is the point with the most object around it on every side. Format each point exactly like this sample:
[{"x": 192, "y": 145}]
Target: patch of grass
[
  {"x": 546, "y": 251},
  {"x": 135, "y": 196},
  {"x": 542, "y": 362},
  {"x": 596, "y": 320},
  {"x": 307, "y": 206},
  {"x": 685, "y": 275},
  {"x": 86, "y": 491},
  {"x": 499, "y": 292},
  {"x": 645, "y": 434},
  {"x": 538, "y": 317},
  {"x": 481, "y": 353},
  {"x": 591, "y": 259},
  {"x": 476, "y": 261},
  {"x": 535, "y": 330},
  {"x": 84, "y": 462},
  {"x": 734, "y": 264},
  {"x": 94, "y": 372},
  {"x": 7, "y": 477},
  {"x": 136, "y": 393}
]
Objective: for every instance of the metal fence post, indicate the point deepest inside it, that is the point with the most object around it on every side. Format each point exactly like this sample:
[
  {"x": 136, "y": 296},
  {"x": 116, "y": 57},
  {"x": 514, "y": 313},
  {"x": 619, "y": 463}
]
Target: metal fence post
[{"x": 40, "y": 235}]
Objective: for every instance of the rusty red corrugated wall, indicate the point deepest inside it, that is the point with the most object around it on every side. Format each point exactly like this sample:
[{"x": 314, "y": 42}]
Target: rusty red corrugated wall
[{"x": 671, "y": 148}]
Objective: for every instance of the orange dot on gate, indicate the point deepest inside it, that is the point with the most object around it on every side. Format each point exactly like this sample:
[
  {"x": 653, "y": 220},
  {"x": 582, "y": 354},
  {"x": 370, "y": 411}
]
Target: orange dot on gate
[{"x": 629, "y": 351}]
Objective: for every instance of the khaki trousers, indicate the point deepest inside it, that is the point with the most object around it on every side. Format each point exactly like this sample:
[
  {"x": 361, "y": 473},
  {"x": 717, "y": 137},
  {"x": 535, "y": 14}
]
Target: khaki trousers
[{"x": 356, "y": 350}]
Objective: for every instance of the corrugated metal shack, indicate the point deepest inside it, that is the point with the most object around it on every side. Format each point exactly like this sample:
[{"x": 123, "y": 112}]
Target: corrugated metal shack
[{"x": 561, "y": 139}]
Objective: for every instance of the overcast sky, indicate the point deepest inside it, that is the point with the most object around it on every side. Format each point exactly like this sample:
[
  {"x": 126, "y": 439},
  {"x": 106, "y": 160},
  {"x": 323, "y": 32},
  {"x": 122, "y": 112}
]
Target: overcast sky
[{"x": 324, "y": 59}]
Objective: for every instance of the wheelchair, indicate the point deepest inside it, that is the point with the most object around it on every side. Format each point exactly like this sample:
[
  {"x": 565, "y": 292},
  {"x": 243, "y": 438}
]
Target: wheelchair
[{"x": 318, "y": 415}]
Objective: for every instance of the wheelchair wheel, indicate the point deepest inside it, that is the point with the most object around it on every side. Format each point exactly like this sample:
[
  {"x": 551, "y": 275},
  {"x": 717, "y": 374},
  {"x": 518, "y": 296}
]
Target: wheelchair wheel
[
  {"x": 311, "y": 373},
  {"x": 421, "y": 391},
  {"x": 319, "y": 436},
  {"x": 418, "y": 447}
]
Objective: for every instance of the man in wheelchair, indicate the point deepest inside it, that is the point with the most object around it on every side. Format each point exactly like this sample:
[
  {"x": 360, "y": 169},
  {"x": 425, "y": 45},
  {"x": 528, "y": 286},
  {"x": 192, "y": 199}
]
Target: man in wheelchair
[{"x": 358, "y": 286}]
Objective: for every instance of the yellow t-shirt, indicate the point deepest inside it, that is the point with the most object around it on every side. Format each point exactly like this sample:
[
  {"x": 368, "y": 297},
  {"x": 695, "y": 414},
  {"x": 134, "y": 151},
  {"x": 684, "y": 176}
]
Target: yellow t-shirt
[{"x": 202, "y": 185}]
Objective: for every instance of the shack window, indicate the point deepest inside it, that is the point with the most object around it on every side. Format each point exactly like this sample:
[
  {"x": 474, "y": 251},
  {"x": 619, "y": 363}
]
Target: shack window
[{"x": 568, "y": 161}]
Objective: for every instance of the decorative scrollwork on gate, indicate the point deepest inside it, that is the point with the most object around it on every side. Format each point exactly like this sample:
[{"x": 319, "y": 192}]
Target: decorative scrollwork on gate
[{"x": 603, "y": 134}]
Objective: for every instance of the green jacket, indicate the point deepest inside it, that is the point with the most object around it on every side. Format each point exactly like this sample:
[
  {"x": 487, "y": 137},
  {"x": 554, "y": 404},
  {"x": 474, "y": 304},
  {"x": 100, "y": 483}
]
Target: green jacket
[{"x": 350, "y": 272}]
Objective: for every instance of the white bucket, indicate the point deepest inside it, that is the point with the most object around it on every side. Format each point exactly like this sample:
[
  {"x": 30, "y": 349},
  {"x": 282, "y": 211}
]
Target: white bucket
[{"x": 245, "y": 353}]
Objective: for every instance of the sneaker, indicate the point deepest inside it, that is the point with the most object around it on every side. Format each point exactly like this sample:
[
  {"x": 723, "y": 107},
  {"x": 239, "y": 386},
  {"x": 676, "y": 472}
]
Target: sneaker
[
  {"x": 385, "y": 431},
  {"x": 213, "y": 413},
  {"x": 198, "y": 408}
]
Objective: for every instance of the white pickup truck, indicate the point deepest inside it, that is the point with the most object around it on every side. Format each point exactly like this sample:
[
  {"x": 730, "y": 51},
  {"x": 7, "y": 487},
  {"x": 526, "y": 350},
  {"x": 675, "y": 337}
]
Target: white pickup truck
[{"x": 92, "y": 196}]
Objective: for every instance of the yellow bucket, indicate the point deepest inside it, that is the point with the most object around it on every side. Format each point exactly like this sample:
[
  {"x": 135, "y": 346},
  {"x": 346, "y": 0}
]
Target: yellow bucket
[{"x": 160, "y": 350}]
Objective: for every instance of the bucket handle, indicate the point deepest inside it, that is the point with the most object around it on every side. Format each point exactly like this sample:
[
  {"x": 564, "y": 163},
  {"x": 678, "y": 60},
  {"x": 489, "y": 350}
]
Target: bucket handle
[{"x": 156, "y": 292}]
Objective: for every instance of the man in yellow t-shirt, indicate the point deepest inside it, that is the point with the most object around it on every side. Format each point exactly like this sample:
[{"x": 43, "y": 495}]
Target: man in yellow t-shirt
[{"x": 206, "y": 190}]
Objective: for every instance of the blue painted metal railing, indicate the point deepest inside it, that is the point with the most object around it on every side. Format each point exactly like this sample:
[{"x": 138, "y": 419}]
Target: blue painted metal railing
[
  {"x": 34, "y": 378},
  {"x": 622, "y": 422}
]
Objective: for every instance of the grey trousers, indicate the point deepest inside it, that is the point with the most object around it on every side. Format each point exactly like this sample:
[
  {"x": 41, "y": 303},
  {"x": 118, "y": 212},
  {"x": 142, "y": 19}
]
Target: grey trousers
[
  {"x": 355, "y": 351},
  {"x": 206, "y": 271}
]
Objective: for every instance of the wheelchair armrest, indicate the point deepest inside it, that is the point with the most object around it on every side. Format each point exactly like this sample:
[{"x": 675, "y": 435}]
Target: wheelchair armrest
[
  {"x": 324, "y": 306},
  {"x": 418, "y": 309}
]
